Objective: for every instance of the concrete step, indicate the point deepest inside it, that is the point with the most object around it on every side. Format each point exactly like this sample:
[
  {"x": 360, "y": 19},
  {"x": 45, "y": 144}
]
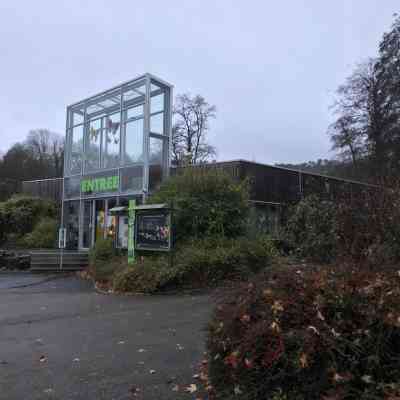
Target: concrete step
[{"x": 50, "y": 260}]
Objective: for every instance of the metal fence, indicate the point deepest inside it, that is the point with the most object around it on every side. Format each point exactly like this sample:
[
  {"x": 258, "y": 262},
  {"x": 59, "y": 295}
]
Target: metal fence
[
  {"x": 44, "y": 188},
  {"x": 267, "y": 183}
]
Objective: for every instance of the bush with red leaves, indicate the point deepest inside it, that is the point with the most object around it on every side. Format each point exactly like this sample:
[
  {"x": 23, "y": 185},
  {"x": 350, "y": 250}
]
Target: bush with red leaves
[{"x": 308, "y": 334}]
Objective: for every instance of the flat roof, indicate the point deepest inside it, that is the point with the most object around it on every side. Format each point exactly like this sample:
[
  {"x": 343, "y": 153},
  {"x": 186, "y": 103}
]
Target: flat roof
[
  {"x": 126, "y": 83},
  {"x": 240, "y": 160}
]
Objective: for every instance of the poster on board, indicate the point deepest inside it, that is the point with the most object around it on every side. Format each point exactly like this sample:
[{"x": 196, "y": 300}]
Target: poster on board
[{"x": 153, "y": 231}]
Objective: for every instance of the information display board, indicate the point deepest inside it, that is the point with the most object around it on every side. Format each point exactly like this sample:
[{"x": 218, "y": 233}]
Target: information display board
[{"x": 153, "y": 230}]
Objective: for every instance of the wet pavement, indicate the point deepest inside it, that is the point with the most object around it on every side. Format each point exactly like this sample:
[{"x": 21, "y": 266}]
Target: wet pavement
[{"x": 59, "y": 339}]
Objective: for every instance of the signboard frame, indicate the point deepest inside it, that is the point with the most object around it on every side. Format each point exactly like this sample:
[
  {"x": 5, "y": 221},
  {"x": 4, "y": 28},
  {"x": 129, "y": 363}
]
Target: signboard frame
[
  {"x": 158, "y": 211},
  {"x": 131, "y": 231}
]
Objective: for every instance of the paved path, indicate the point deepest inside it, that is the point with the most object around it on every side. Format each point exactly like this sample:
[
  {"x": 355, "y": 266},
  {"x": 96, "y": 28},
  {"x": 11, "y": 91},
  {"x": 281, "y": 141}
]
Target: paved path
[{"x": 61, "y": 340}]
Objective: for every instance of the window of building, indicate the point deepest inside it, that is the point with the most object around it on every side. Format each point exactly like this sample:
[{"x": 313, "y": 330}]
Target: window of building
[
  {"x": 135, "y": 112},
  {"x": 156, "y": 150},
  {"x": 132, "y": 179},
  {"x": 157, "y": 103},
  {"x": 93, "y": 143},
  {"x": 134, "y": 141},
  {"x": 76, "y": 149},
  {"x": 111, "y": 140},
  {"x": 72, "y": 187},
  {"x": 157, "y": 123}
]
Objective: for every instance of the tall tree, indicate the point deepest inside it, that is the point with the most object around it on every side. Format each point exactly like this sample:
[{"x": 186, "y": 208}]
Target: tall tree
[
  {"x": 357, "y": 112},
  {"x": 367, "y": 126},
  {"x": 189, "y": 134},
  {"x": 388, "y": 73}
]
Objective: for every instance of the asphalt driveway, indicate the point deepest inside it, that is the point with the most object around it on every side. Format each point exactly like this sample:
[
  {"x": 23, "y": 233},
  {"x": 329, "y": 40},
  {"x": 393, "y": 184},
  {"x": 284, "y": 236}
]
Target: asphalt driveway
[{"x": 59, "y": 339}]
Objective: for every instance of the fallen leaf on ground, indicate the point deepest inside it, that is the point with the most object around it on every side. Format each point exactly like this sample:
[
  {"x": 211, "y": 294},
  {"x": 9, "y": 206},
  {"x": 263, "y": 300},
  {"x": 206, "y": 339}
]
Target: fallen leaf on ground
[
  {"x": 191, "y": 388},
  {"x": 237, "y": 390}
]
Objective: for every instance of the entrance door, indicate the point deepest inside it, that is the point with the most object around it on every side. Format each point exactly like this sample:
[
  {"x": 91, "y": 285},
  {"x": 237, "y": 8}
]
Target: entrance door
[{"x": 95, "y": 223}]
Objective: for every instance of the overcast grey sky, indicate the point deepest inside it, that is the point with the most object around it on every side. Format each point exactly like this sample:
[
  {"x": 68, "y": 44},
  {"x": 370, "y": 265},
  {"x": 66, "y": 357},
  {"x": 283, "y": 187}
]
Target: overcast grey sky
[{"x": 270, "y": 67}]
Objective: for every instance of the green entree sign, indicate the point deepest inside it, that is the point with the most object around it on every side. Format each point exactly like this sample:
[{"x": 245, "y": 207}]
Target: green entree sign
[{"x": 95, "y": 185}]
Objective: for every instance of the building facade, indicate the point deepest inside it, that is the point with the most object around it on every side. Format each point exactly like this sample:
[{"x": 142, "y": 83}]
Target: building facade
[{"x": 116, "y": 149}]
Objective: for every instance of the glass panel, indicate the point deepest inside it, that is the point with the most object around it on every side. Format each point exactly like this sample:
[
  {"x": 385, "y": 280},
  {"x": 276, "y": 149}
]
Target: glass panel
[
  {"x": 157, "y": 103},
  {"x": 134, "y": 93},
  {"x": 156, "y": 147},
  {"x": 132, "y": 178},
  {"x": 155, "y": 177},
  {"x": 92, "y": 152},
  {"x": 157, "y": 123},
  {"x": 87, "y": 223},
  {"x": 99, "y": 219},
  {"x": 154, "y": 87},
  {"x": 111, "y": 141},
  {"x": 135, "y": 112},
  {"x": 93, "y": 108},
  {"x": 76, "y": 149},
  {"x": 71, "y": 223},
  {"x": 72, "y": 187},
  {"x": 111, "y": 220},
  {"x": 122, "y": 231},
  {"x": 134, "y": 141},
  {"x": 77, "y": 118}
]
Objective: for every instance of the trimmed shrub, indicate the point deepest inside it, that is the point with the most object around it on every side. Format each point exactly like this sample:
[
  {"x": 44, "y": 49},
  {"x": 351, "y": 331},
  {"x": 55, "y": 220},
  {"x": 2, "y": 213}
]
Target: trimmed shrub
[
  {"x": 207, "y": 202},
  {"x": 103, "y": 250},
  {"x": 149, "y": 275},
  {"x": 312, "y": 229},
  {"x": 103, "y": 262},
  {"x": 104, "y": 270},
  {"x": 201, "y": 263},
  {"x": 308, "y": 334},
  {"x": 43, "y": 236}
]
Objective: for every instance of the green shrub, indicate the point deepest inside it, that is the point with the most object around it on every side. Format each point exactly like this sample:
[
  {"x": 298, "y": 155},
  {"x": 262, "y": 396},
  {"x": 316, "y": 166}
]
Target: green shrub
[
  {"x": 103, "y": 250},
  {"x": 312, "y": 229},
  {"x": 207, "y": 202},
  {"x": 103, "y": 270},
  {"x": 103, "y": 260},
  {"x": 308, "y": 335},
  {"x": 20, "y": 214},
  {"x": 369, "y": 226},
  {"x": 199, "y": 263},
  {"x": 149, "y": 275},
  {"x": 43, "y": 236}
]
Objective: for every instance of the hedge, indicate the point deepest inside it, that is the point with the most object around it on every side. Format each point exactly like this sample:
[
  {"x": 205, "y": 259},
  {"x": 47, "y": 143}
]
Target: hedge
[{"x": 329, "y": 334}]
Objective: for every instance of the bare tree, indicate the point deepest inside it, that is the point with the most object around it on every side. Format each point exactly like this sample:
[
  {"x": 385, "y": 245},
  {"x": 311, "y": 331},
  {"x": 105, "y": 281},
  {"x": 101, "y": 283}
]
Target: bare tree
[
  {"x": 189, "y": 133},
  {"x": 47, "y": 147},
  {"x": 358, "y": 130}
]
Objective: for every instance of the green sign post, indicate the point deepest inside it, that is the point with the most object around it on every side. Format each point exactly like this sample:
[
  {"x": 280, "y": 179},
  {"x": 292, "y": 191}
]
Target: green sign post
[{"x": 131, "y": 230}]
